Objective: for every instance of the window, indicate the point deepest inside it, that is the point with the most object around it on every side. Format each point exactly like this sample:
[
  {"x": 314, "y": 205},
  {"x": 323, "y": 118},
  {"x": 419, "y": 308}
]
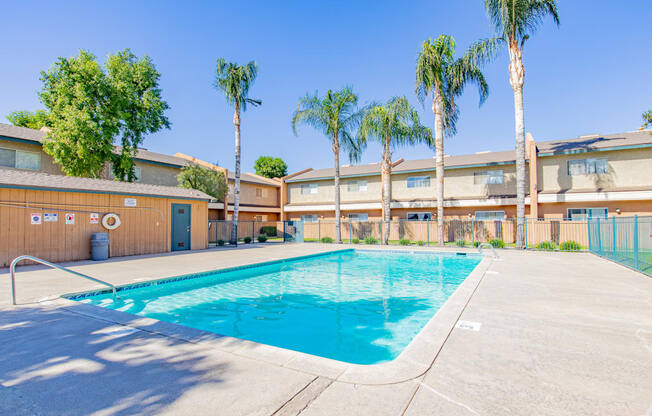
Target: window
[
  {"x": 308, "y": 188},
  {"x": 309, "y": 218},
  {"x": 489, "y": 215},
  {"x": 418, "y": 182},
  {"x": 259, "y": 192},
  {"x": 20, "y": 159},
  {"x": 358, "y": 217},
  {"x": 260, "y": 218},
  {"x": 488, "y": 177},
  {"x": 137, "y": 172},
  {"x": 418, "y": 216},
  {"x": 588, "y": 166},
  {"x": 357, "y": 186},
  {"x": 579, "y": 214}
]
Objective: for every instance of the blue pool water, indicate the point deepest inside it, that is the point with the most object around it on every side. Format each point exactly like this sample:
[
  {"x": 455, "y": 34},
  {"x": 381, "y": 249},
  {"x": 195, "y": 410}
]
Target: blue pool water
[{"x": 357, "y": 306}]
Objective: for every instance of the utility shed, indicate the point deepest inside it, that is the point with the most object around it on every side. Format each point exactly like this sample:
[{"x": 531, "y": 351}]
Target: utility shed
[{"x": 53, "y": 216}]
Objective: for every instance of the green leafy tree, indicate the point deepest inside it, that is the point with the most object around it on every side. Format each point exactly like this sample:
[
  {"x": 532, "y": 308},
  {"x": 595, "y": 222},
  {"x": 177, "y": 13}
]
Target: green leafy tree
[
  {"x": 647, "y": 119},
  {"x": 35, "y": 120},
  {"x": 202, "y": 179},
  {"x": 514, "y": 22},
  {"x": 393, "y": 124},
  {"x": 336, "y": 116},
  {"x": 439, "y": 73},
  {"x": 271, "y": 167},
  {"x": 90, "y": 107},
  {"x": 234, "y": 81}
]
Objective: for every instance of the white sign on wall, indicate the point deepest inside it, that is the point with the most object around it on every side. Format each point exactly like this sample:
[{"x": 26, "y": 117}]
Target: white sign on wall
[
  {"x": 50, "y": 217},
  {"x": 130, "y": 202},
  {"x": 70, "y": 218},
  {"x": 36, "y": 218},
  {"x": 95, "y": 218}
]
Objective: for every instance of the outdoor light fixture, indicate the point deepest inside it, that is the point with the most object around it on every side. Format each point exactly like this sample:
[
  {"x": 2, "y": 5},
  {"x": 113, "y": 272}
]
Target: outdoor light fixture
[{"x": 617, "y": 210}]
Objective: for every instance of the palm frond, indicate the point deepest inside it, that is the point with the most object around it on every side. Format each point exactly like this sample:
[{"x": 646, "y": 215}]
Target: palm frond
[
  {"x": 515, "y": 19},
  {"x": 235, "y": 81}
]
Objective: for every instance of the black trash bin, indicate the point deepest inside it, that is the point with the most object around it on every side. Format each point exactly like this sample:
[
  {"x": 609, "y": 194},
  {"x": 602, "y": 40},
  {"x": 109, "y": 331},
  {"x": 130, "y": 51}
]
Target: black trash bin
[{"x": 100, "y": 246}]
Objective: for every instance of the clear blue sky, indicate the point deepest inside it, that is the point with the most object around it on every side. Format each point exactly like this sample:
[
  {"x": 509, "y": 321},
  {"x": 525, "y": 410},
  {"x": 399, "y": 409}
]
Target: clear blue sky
[{"x": 590, "y": 75}]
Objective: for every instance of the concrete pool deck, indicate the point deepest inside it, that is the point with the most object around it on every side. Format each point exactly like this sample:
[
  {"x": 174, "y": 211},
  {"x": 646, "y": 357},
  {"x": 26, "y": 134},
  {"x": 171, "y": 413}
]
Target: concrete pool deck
[{"x": 571, "y": 335}]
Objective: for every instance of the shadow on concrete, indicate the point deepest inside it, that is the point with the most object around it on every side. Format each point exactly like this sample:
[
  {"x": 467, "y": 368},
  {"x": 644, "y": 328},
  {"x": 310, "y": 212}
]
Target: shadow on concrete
[{"x": 57, "y": 362}]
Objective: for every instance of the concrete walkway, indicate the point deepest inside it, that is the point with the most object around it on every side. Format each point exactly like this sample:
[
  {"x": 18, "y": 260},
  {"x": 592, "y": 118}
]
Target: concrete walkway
[{"x": 560, "y": 334}]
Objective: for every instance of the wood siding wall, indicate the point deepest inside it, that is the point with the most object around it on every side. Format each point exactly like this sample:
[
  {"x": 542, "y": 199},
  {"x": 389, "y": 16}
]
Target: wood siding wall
[{"x": 145, "y": 229}]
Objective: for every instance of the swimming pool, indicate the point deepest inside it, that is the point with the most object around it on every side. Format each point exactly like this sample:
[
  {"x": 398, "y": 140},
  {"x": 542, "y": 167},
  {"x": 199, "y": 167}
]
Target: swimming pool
[{"x": 357, "y": 306}]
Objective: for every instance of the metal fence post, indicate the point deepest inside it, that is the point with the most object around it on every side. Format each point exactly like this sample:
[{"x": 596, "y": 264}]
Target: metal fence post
[
  {"x": 588, "y": 231},
  {"x": 473, "y": 232},
  {"x": 599, "y": 236},
  {"x": 636, "y": 242},
  {"x": 381, "y": 233},
  {"x": 284, "y": 231},
  {"x": 613, "y": 222},
  {"x": 318, "y": 230},
  {"x": 350, "y": 238},
  {"x": 253, "y": 230},
  {"x": 525, "y": 225},
  {"x": 428, "y": 232}
]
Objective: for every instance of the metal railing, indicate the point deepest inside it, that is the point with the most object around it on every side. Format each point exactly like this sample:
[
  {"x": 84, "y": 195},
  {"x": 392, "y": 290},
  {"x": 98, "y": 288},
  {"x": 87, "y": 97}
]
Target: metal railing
[
  {"x": 12, "y": 272},
  {"x": 625, "y": 240},
  {"x": 487, "y": 245},
  {"x": 219, "y": 231}
]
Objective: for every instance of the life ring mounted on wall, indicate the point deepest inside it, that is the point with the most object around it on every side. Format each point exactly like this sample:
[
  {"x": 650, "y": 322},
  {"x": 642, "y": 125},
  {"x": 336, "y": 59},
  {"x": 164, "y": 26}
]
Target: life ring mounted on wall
[{"x": 106, "y": 221}]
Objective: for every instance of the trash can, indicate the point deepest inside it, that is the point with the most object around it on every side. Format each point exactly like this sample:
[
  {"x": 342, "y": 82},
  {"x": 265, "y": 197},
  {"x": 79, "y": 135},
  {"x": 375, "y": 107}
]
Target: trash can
[{"x": 100, "y": 246}]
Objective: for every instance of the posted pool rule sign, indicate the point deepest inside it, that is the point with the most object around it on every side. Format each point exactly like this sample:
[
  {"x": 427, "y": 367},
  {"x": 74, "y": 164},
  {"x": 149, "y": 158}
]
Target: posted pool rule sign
[
  {"x": 36, "y": 218},
  {"x": 70, "y": 218},
  {"x": 94, "y": 218}
]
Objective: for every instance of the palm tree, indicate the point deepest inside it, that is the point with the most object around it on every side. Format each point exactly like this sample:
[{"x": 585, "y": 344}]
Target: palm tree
[
  {"x": 393, "y": 124},
  {"x": 336, "y": 116},
  {"x": 234, "y": 81},
  {"x": 438, "y": 71},
  {"x": 514, "y": 21}
]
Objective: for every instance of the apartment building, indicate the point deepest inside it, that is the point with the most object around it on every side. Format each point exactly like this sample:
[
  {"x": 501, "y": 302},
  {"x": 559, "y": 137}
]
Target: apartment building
[
  {"x": 588, "y": 176},
  {"x": 21, "y": 148}
]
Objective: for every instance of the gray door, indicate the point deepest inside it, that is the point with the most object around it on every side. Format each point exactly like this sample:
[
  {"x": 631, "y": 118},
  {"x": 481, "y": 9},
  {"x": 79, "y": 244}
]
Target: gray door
[{"x": 180, "y": 227}]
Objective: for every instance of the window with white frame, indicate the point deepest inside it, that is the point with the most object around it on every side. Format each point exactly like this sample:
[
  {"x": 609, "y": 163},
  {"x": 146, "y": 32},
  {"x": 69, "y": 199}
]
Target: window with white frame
[
  {"x": 137, "y": 173},
  {"x": 418, "y": 182},
  {"x": 357, "y": 186},
  {"x": 488, "y": 177},
  {"x": 20, "y": 159},
  {"x": 588, "y": 166},
  {"x": 308, "y": 188},
  {"x": 358, "y": 217},
  {"x": 579, "y": 214},
  {"x": 418, "y": 216},
  {"x": 489, "y": 215},
  {"x": 309, "y": 218}
]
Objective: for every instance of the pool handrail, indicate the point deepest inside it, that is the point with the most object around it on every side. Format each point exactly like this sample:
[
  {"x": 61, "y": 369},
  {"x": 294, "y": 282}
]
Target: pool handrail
[
  {"x": 493, "y": 249},
  {"x": 12, "y": 272}
]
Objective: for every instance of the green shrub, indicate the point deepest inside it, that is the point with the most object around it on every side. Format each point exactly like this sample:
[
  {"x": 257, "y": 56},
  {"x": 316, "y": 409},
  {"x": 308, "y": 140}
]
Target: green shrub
[
  {"x": 421, "y": 243},
  {"x": 220, "y": 242},
  {"x": 262, "y": 238},
  {"x": 546, "y": 245},
  {"x": 476, "y": 243},
  {"x": 355, "y": 240},
  {"x": 268, "y": 230},
  {"x": 370, "y": 240},
  {"x": 247, "y": 240},
  {"x": 326, "y": 240},
  {"x": 570, "y": 245},
  {"x": 404, "y": 242},
  {"x": 497, "y": 243},
  {"x": 460, "y": 243}
]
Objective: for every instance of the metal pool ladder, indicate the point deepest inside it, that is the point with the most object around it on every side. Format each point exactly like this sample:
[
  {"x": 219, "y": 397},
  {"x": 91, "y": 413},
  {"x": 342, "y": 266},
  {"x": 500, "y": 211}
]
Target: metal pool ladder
[
  {"x": 493, "y": 250},
  {"x": 12, "y": 272}
]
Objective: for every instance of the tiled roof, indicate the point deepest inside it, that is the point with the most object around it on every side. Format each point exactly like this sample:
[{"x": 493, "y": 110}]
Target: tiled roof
[
  {"x": 584, "y": 143},
  {"x": 46, "y": 181}
]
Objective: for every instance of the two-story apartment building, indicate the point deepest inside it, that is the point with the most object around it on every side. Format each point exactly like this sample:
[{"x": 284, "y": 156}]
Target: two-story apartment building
[
  {"x": 588, "y": 176},
  {"x": 21, "y": 148}
]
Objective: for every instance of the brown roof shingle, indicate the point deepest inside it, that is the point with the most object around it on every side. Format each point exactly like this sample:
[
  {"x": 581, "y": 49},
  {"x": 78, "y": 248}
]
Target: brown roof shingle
[{"x": 46, "y": 181}]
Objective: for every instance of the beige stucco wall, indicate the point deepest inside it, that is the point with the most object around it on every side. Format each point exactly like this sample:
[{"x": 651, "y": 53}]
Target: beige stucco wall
[
  {"x": 157, "y": 174},
  {"x": 47, "y": 165},
  {"x": 248, "y": 196},
  {"x": 459, "y": 183},
  {"x": 627, "y": 168}
]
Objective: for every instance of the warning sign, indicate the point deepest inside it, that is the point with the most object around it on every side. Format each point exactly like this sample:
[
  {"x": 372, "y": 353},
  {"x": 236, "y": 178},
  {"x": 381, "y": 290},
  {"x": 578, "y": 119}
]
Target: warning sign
[
  {"x": 70, "y": 218},
  {"x": 50, "y": 217},
  {"x": 36, "y": 218},
  {"x": 95, "y": 218}
]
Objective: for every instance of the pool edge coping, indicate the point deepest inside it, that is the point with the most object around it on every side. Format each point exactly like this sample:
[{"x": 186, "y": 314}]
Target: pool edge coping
[{"x": 415, "y": 359}]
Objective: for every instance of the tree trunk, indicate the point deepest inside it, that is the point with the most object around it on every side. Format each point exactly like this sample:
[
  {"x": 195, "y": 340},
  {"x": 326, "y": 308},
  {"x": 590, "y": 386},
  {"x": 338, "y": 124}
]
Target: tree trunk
[
  {"x": 236, "y": 188},
  {"x": 336, "y": 154},
  {"x": 438, "y": 109},
  {"x": 516, "y": 79},
  {"x": 386, "y": 173}
]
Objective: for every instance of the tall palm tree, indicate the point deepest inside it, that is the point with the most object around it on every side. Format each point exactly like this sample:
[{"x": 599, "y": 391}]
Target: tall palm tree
[
  {"x": 336, "y": 115},
  {"x": 234, "y": 81},
  {"x": 514, "y": 22},
  {"x": 438, "y": 71},
  {"x": 393, "y": 124}
]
